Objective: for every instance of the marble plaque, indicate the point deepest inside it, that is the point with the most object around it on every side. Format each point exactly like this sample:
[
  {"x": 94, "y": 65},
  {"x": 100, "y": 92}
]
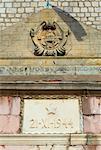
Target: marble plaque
[{"x": 51, "y": 116}]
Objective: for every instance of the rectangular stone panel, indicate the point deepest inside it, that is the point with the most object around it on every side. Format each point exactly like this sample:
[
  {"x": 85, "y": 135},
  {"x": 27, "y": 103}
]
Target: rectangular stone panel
[{"x": 51, "y": 116}]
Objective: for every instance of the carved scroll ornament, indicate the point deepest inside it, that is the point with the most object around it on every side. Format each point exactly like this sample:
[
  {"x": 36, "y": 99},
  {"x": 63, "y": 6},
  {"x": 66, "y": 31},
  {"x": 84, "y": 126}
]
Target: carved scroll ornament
[{"x": 49, "y": 40}]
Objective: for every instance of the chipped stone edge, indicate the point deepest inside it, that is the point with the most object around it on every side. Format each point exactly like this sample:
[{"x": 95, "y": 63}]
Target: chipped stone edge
[{"x": 50, "y": 139}]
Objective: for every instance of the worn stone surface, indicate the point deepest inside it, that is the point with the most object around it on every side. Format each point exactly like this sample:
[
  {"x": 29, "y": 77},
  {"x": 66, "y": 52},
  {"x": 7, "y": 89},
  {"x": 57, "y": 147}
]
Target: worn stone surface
[
  {"x": 55, "y": 147},
  {"x": 48, "y": 147},
  {"x": 9, "y": 124},
  {"x": 4, "y": 105},
  {"x": 92, "y": 124},
  {"x": 93, "y": 147},
  {"x": 84, "y": 43},
  {"x": 9, "y": 114},
  {"x": 91, "y": 105},
  {"x": 15, "y": 110},
  {"x": 76, "y": 148},
  {"x": 9, "y": 105},
  {"x": 50, "y": 70},
  {"x": 51, "y": 116}
]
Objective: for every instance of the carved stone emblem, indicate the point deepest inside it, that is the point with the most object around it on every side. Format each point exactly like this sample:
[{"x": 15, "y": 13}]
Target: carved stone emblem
[
  {"x": 49, "y": 40},
  {"x": 51, "y": 116}
]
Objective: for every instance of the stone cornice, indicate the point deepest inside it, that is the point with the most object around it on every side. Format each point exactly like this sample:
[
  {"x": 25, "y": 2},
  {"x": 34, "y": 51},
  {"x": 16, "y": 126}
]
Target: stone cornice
[
  {"x": 50, "y": 77},
  {"x": 69, "y": 139},
  {"x": 50, "y": 82}
]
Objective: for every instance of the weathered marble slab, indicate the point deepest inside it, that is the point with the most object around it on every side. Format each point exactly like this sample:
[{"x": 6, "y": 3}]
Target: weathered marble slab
[
  {"x": 51, "y": 116},
  {"x": 50, "y": 70}
]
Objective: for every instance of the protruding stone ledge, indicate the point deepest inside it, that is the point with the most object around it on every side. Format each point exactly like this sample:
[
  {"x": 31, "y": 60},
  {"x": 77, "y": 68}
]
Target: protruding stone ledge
[
  {"x": 83, "y": 139},
  {"x": 54, "y": 82},
  {"x": 34, "y": 139},
  {"x": 69, "y": 139}
]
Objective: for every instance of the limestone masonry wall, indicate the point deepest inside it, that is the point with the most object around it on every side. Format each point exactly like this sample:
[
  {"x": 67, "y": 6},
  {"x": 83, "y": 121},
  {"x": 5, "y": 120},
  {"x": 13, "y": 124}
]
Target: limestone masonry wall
[
  {"x": 87, "y": 11},
  {"x": 10, "y": 117},
  {"x": 10, "y": 122}
]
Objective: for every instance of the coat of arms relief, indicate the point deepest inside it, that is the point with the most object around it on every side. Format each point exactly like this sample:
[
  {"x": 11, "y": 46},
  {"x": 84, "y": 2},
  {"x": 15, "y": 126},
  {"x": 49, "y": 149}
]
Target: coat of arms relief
[{"x": 49, "y": 39}]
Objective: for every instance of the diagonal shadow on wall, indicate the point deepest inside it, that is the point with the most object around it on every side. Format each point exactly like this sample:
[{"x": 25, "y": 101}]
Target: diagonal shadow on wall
[{"x": 73, "y": 24}]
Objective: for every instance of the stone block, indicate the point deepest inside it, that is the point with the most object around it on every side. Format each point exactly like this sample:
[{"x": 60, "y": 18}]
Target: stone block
[
  {"x": 87, "y": 4},
  {"x": 84, "y": 9},
  {"x": 29, "y": 10},
  {"x": 2, "y": 147},
  {"x": 16, "y": 4},
  {"x": 11, "y": 10},
  {"x": 92, "y": 105},
  {"x": 60, "y": 147},
  {"x": 92, "y": 147},
  {"x": 76, "y": 148},
  {"x": 15, "y": 110},
  {"x": 16, "y": 147},
  {"x": 9, "y": 124},
  {"x": 81, "y": 4},
  {"x": 4, "y": 105},
  {"x": 98, "y": 9},
  {"x": 8, "y": 4},
  {"x": 95, "y": 4},
  {"x": 73, "y": 4},
  {"x": 92, "y": 124},
  {"x": 98, "y": 147},
  {"x": 44, "y": 116},
  {"x": 20, "y": 10},
  {"x": 1, "y": 19},
  {"x": 65, "y": 4},
  {"x": 33, "y": 4},
  {"x": 2, "y": 10},
  {"x": 1, "y": 5},
  {"x": 76, "y": 9},
  {"x": 9, "y": 105},
  {"x": 91, "y": 9}
]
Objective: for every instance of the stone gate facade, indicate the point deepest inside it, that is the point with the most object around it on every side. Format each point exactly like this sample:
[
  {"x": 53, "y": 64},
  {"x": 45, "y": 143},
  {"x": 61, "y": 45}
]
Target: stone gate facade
[{"x": 50, "y": 75}]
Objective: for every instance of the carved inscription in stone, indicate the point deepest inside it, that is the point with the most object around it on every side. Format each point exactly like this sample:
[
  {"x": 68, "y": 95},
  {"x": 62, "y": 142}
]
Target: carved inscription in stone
[
  {"x": 51, "y": 116},
  {"x": 49, "y": 40}
]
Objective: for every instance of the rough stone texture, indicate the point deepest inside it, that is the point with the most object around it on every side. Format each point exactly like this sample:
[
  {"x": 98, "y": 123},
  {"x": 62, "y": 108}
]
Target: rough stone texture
[
  {"x": 92, "y": 124},
  {"x": 16, "y": 42},
  {"x": 9, "y": 124},
  {"x": 4, "y": 105},
  {"x": 9, "y": 114},
  {"x": 92, "y": 105},
  {"x": 9, "y": 105},
  {"x": 92, "y": 114},
  {"x": 15, "y": 110},
  {"x": 24, "y": 8}
]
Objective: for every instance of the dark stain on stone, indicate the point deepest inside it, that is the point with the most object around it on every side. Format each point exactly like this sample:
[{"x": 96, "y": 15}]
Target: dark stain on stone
[{"x": 77, "y": 29}]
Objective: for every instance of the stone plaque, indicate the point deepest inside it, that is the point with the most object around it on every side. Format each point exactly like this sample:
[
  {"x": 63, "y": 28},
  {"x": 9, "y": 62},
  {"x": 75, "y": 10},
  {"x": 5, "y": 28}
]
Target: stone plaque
[{"x": 51, "y": 116}]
